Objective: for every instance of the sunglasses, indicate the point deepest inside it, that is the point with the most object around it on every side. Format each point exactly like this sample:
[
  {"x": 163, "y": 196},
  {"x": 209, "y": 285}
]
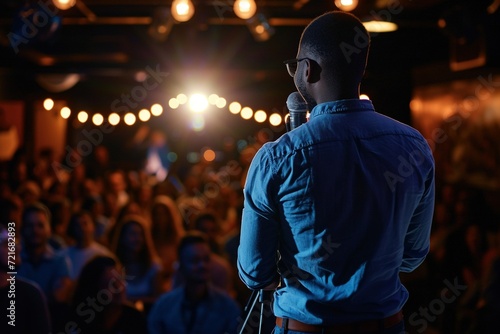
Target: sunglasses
[{"x": 292, "y": 64}]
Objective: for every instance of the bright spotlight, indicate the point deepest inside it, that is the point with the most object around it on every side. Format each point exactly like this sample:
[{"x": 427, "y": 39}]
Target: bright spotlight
[
  {"x": 364, "y": 97},
  {"x": 97, "y": 119},
  {"x": 129, "y": 119},
  {"x": 65, "y": 112},
  {"x": 246, "y": 113},
  {"x": 48, "y": 104},
  {"x": 260, "y": 116},
  {"x": 275, "y": 119},
  {"x": 144, "y": 115},
  {"x": 221, "y": 102},
  {"x": 198, "y": 102},
  {"x": 83, "y": 116},
  {"x": 114, "y": 119},
  {"x": 234, "y": 107}
]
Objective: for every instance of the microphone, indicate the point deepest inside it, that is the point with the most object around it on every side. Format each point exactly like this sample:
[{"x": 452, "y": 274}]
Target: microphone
[{"x": 297, "y": 109}]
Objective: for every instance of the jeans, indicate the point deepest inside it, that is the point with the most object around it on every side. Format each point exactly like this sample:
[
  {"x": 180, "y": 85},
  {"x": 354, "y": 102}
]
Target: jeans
[{"x": 396, "y": 329}]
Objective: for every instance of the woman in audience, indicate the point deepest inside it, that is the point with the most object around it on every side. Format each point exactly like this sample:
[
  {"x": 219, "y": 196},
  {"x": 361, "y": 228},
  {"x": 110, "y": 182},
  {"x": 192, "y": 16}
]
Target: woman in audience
[
  {"x": 99, "y": 304},
  {"x": 166, "y": 230},
  {"x": 133, "y": 246}
]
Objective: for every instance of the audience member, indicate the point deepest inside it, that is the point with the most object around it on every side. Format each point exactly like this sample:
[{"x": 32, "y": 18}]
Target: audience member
[
  {"x": 81, "y": 229},
  {"x": 133, "y": 247},
  {"x": 22, "y": 301},
  {"x": 196, "y": 306},
  {"x": 166, "y": 230},
  {"x": 40, "y": 263},
  {"x": 99, "y": 305}
]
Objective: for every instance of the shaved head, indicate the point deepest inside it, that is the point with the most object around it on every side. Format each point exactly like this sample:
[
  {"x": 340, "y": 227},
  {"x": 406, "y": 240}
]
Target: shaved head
[{"x": 340, "y": 42}]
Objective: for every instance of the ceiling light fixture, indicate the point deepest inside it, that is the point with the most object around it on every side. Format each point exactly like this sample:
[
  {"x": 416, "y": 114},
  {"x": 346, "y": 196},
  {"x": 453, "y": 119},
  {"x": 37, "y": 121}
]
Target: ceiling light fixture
[
  {"x": 64, "y": 4},
  {"x": 346, "y": 5},
  {"x": 245, "y": 9},
  {"x": 182, "y": 10}
]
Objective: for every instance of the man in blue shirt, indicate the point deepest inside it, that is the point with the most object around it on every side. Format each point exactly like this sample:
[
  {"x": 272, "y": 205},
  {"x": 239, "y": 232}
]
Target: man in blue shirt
[{"x": 335, "y": 209}]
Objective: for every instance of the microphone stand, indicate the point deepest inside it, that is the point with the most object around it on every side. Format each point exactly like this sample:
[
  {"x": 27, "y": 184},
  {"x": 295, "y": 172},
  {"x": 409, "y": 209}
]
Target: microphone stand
[{"x": 257, "y": 296}]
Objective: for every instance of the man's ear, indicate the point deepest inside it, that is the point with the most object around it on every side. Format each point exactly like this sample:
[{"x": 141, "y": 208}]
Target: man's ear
[{"x": 313, "y": 71}]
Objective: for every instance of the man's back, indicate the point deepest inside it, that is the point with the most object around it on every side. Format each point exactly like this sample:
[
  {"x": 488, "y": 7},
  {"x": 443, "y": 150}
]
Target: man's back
[{"x": 341, "y": 190}]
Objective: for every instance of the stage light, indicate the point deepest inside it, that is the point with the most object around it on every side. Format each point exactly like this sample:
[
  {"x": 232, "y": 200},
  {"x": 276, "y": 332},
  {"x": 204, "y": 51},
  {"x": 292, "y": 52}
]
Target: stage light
[
  {"x": 260, "y": 116},
  {"x": 198, "y": 102},
  {"x": 65, "y": 112},
  {"x": 129, "y": 119},
  {"x": 260, "y": 28},
  {"x": 377, "y": 26},
  {"x": 245, "y": 9},
  {"x": 234, "y": 108},
  {"x": 83, "y": 116},
  {"x": 182, "y": 98},
  {"x": 173, "y": 103},
  {"x": 144, "y": 115},
  {"x": 114, "y": 119},
  {"x": 182, "y": 10},
  {"x": 48, "y": 104},
  {"x": 64, "y": 4},
  {"x": 212, "y": 99},
  {"x": 275, "y": 119},
  {"x": 364, "y": 97},
  {"x": 97, "y": 119},
  {"x": 221, "y": 102},
  {"x": 246, "y": 113},
  {"x": 156, "y": 109},
  {"x": 346, "y": 5}
]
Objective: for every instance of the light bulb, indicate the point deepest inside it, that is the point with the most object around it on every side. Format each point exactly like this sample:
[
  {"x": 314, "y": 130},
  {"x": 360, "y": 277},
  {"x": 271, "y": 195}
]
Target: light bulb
[
  {"x": 64, "y": 4},
  {"x": 245, "y": 9},
  {"x": 182, "y": 10}
]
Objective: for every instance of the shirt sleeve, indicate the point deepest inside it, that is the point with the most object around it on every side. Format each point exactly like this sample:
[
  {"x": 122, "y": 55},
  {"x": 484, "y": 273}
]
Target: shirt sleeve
[
  {"x": 260, "y": 225},
  {"x": 417, "y": 239}
]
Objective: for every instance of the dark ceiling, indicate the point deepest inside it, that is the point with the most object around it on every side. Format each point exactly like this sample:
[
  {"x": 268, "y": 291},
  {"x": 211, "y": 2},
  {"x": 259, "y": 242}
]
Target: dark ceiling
[{"x": 107, "y": 42}]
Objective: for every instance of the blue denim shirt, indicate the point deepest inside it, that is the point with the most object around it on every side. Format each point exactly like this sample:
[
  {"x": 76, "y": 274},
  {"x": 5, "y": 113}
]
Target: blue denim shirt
[{"x": 337, "y": 208}]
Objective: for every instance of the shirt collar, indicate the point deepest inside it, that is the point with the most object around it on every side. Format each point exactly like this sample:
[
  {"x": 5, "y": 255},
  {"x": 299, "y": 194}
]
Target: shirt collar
[{"x": 341, "y": 106}]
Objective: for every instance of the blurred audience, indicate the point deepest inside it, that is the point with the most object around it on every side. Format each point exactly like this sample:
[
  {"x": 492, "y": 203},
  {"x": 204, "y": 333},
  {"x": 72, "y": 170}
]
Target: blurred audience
[
  {"x": 133, "y": 247},
  {"x": 196, "y": 306},
  {"x": 81, "y": 230},
  {"x": 99, "y": 304}
]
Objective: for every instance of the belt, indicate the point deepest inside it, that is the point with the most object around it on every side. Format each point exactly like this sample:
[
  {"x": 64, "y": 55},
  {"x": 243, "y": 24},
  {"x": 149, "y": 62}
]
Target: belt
[{"x": 357, "y": 327}]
